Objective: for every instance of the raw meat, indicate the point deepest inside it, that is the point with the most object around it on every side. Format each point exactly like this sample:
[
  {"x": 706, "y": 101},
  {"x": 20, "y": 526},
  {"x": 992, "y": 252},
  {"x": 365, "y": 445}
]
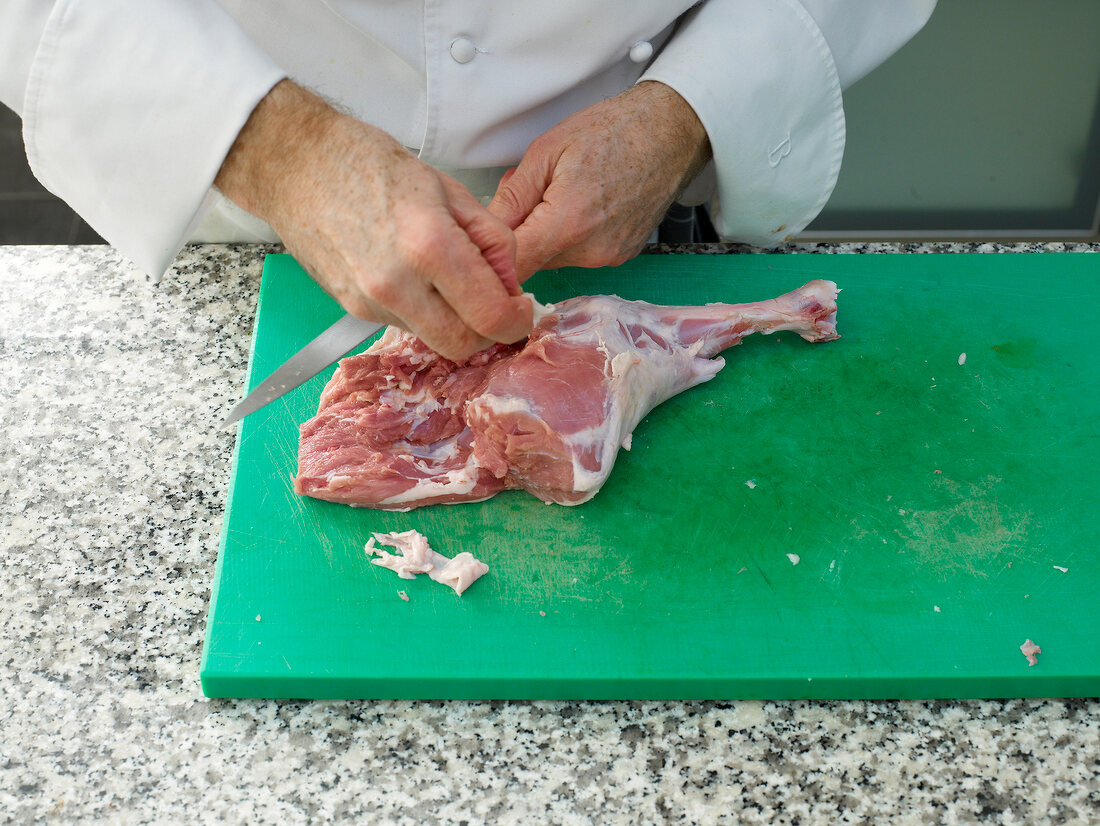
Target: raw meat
[
  {"x": 416, "y": 557},
  {"x": 1029, "y": 650},
  {"x": 399, "y": 426}
]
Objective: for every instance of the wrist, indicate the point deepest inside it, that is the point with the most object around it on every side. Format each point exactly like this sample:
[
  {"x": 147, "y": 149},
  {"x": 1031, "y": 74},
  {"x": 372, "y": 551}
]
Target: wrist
[
  {"x": 269, "y": 151},
  {"x": 683, "y": 128}
]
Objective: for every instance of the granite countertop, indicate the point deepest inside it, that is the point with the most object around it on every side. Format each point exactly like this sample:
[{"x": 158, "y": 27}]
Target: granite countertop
[{"x": 113, "y": 475}]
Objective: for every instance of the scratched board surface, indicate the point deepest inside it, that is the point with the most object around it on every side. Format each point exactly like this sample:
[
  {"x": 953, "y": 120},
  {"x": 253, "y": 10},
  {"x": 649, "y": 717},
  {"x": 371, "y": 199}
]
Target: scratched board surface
[{"x": 878, "y": 516}]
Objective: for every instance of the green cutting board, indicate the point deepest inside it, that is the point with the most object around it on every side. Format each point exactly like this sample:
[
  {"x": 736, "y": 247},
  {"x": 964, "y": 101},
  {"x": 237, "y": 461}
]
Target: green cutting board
[{"x": 863, "y": 518}]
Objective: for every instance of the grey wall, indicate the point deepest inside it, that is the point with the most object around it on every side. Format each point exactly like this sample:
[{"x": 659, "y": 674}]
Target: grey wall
[{"x": 988, "y": 119}]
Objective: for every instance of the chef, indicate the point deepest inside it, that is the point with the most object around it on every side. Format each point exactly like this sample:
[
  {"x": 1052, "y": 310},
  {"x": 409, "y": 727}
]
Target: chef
[{"x": 422, "y": 158}]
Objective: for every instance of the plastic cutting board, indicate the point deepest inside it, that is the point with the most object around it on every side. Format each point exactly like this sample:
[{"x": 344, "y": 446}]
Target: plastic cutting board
[{"x": 872, "y": 517}]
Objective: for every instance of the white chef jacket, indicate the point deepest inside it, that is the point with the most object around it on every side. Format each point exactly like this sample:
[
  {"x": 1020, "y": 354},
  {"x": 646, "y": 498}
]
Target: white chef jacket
[{"x": 130, "y": 106}]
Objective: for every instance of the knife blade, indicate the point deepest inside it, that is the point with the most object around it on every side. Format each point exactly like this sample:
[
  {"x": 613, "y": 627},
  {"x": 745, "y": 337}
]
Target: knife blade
[{"x": 346, "y": 334}]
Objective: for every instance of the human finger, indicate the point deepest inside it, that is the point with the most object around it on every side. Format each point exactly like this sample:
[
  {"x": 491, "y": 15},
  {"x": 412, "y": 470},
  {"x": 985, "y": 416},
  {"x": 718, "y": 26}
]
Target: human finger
[
  {"x": 477, "y": 295},
  {"x": 539, "y": 239},
  {"x": 440, "y": 327},
  {"x": 521, "y": 188},
  {"x": 416, "y": 306},
  {"x": 490, "y": 234}
]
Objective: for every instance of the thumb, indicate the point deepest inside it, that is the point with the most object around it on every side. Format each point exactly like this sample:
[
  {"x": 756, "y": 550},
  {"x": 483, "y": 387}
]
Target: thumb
[
  {"x": 537, "y": 240},
  {"x": 520, "y": 191}
]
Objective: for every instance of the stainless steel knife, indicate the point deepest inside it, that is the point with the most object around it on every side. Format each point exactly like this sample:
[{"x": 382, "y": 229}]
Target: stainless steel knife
[{"x": 346, "y": 334}]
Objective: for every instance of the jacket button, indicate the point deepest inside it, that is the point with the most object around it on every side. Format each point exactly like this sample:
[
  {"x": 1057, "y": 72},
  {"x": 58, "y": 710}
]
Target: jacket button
[
  {"x": 641, "y": 51},
  {"x": 463, "y": 50}
]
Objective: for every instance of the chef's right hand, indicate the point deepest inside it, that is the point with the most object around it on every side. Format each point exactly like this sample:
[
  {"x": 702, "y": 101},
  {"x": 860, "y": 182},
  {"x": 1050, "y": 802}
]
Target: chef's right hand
[{"x": 390, "y": 238}]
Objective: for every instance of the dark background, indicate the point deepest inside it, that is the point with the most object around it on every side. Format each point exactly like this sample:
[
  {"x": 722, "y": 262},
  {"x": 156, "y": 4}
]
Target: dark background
[{"x": 28, "y": 213}]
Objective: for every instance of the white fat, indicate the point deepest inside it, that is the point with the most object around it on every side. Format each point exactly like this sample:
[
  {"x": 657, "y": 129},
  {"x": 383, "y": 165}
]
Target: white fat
[
  {"x": 502, "y": 405},
  {"x": 428, "y": 406},
  {"x": 622, "y": 363},
  {"x": 459, "y": 481},
  {"x": 423, "y": 456},
  {"x": 539, "y": 311},
  {"x": 423, "y": 411},
  {"x": 422, "y": 401},
  {"x": 415, "y": 556},
  {"x": 459, "y": 573}
]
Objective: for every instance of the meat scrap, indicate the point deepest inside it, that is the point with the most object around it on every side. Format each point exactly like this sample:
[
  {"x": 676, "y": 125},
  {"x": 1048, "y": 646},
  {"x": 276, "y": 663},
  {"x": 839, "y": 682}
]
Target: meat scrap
[
  {"x": 415, "y": 556},
  {"x": 399, "y": 426},
  {"x": 1029, "y": 650}
]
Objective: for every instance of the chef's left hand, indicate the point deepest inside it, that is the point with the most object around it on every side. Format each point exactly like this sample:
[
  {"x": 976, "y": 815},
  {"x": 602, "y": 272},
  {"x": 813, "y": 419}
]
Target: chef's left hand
[{"x": 590, "y": 191}]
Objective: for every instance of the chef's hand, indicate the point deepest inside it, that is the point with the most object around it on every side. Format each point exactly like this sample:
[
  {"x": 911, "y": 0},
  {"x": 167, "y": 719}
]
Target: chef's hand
[
  {"x": 390, "y": 238},
  {"x": 590, "y": 191}
]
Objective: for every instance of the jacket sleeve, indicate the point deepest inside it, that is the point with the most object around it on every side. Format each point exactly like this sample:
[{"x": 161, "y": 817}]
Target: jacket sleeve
[
  {"x": 129, "y": 108},
  {"x": 765, "y": 79}
]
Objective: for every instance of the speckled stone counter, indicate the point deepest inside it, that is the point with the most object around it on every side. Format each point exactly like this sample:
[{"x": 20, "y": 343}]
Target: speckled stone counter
[{"x": 113, "y": 475}]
